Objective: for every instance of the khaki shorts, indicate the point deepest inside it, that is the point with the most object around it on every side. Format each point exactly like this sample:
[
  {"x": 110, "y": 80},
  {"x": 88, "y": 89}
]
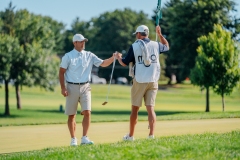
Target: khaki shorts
[
  {"x": 78, "y": 93},
  {"x": 148, "y": 91}
]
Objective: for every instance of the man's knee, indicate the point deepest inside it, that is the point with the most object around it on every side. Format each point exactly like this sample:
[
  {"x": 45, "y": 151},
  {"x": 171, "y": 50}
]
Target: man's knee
[
  {"x": 135, "y": 109},
  {"x": 150, "y": 108},
  {"x": 86, "y": 113},
  {"x": 71, "y": 117}
]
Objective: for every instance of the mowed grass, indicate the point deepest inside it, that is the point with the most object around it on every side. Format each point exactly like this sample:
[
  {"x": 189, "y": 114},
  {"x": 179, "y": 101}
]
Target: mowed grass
[
  {"x": 199, "y": 146},
  {"x": 173, "y": 103},
  {"x": 178, "y": 102}
]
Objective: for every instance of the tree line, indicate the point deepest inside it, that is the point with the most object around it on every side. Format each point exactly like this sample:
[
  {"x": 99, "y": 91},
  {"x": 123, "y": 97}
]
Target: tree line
[
  {"x": 206, "y": 53},
  {"x": 30, "y": 44}
]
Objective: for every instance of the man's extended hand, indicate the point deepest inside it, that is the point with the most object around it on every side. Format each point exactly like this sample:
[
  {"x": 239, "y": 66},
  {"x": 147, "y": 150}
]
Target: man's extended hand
[
  {"x": 114, "y": 55},
  {"x": 158, "y": 30},
  {"x": 118, "y": 55}
]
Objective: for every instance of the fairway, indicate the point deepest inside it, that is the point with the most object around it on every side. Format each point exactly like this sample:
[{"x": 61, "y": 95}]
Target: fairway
[
  {"x": 179, "y": 102},
  {"x": 26, "y": 138}
]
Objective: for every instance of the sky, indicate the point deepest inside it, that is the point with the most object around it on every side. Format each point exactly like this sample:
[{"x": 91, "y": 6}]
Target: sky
[{"x": 67, "y": 10}]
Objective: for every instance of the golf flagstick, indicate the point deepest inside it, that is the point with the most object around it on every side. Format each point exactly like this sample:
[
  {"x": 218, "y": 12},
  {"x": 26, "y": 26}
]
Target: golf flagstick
[
  {"x": 158, "y": 14},
  {"x": 110, "y": 82},
  {"x": 158, "y": 17}
]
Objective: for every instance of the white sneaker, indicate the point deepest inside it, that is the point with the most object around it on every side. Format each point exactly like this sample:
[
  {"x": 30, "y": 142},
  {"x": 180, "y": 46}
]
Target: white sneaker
[
  {"x": 73, "y": 142},
  {"x": 151, "y": 137},
  {"x": 85, "y": 140},
  {"x": 128, "y": 138}
]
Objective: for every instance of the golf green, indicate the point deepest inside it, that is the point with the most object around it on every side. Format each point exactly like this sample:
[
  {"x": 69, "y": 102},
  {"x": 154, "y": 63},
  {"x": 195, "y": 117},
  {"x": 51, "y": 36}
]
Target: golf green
[{"x": 26, "y": 138}]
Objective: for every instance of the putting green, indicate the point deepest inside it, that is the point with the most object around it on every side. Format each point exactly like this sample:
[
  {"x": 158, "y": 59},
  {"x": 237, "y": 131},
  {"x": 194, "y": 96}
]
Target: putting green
[{"x": 26, "y": 138}]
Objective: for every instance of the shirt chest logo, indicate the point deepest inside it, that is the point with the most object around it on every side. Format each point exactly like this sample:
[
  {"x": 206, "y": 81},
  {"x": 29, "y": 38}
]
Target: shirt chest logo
[{"x": 74, "y": 61}]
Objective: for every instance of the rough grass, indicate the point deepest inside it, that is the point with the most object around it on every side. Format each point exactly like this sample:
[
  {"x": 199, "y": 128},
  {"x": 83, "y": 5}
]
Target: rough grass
[{"x": 199, "y": 146}]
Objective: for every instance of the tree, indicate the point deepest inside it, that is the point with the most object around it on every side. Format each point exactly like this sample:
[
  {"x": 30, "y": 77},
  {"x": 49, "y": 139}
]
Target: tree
[
  {"x": 217, "y": 63},
  {"x": 114, "y": 29},
  {"x": 185, "y": 21},
  {"x": 58, "y": 29},
  {"x": 7, "y": 18},
  {"x": 8, "y": 51},
  {"x": 200, "y": 73},
  {"x": 37, "y": 65},
  {"x": 226, "y": 62}
]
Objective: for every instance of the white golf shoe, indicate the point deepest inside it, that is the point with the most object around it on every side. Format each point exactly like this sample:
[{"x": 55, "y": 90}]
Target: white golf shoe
[
  {"x": 128, "y": 138},
  {"x": 86, "y": 140},
  {"x": 151, "y": 137},
  {"x": 73, "y": 141}
]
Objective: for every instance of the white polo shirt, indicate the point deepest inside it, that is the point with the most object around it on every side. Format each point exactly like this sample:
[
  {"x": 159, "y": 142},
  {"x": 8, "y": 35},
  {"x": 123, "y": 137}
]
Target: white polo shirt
[{"x": 79, "y": 65}]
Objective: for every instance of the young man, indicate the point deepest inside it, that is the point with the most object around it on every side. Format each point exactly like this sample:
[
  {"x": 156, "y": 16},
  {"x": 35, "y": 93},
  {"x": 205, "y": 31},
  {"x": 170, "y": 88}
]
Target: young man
[
  {"x": 75, "y": 70},
  {"x": 144, "y": 54}
]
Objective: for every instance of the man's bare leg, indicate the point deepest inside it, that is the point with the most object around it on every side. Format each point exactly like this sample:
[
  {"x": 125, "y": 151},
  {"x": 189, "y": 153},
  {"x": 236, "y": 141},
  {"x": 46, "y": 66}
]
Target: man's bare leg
[
  {"x": 72, "y": 125},
  {"x": 151, "y": 119},
  {"x": 133, "y": 119},
  {"x": 86, "y": 121}
]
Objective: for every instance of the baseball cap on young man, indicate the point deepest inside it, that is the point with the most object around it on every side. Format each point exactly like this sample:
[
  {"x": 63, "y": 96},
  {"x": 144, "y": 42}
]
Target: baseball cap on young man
[
  {"x": 79, "y": 37},
  {"x": 142, "y": 29}
]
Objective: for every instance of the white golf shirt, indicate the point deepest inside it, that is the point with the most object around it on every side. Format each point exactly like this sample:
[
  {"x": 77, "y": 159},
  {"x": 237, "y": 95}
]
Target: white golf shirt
[{"x": 79, "y": 65}]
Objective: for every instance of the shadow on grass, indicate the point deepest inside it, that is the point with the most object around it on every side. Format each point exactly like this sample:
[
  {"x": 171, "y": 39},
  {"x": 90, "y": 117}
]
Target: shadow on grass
[
  {"x": 122, "y": 112},
  {"x": 10, "y": 116},
  {"x": 28, "y": 113},
  {"x": 50, "y": 111},
  {"x": 103, "y": 112}
]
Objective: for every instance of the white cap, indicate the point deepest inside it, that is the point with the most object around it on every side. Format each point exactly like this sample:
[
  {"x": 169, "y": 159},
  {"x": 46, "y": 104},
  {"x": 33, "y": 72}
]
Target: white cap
[
  {"x": 79, "y": 37},
  {"x": 142, "y": 28}
]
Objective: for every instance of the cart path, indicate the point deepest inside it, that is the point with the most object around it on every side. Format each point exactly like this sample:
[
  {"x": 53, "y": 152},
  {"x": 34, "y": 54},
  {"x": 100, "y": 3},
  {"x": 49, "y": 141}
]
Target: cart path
[{"x": 36, "y": 137}]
